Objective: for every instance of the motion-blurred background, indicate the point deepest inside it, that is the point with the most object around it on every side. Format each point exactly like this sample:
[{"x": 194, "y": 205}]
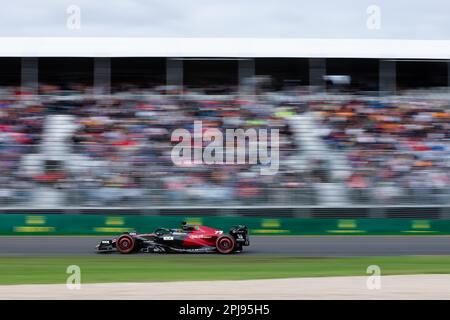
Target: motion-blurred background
[
  {"x": 95, "y": 132},
  {"x": 86, "y": 117}
]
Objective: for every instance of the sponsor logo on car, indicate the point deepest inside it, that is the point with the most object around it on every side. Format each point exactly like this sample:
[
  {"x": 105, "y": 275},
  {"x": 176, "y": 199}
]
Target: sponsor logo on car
[{"x": 199, "y": 236}]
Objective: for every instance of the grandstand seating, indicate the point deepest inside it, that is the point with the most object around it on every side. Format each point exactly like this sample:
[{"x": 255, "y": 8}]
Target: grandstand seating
[{"x": 115, "y": 150}]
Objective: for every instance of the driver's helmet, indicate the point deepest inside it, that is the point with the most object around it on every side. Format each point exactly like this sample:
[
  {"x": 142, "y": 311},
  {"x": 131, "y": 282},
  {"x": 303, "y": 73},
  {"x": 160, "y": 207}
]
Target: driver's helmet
[{"x": 188, "y": 227}]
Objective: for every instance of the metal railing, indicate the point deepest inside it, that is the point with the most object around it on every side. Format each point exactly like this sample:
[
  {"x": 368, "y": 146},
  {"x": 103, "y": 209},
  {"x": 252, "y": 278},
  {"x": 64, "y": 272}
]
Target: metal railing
[{"x": 60, "y": 195}]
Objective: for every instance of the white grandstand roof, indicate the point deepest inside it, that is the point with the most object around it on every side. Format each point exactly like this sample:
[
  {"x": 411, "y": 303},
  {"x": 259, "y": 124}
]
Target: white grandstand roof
[{"x": 223, "y": 47}]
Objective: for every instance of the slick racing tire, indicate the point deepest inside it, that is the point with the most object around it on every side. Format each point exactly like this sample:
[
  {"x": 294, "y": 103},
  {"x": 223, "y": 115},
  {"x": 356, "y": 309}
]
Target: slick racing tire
[
  {"x": 225, "y": 244},
  {"x": 125, "y": 244}
]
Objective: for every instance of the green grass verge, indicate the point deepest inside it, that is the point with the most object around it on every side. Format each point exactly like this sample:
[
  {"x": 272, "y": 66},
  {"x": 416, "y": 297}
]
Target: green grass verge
[{"x": 117, "y": 268}]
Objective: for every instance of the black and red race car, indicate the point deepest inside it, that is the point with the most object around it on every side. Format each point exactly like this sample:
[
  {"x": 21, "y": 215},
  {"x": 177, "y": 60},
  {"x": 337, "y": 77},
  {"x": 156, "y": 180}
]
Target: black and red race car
[{"x": 190, "y": 239}]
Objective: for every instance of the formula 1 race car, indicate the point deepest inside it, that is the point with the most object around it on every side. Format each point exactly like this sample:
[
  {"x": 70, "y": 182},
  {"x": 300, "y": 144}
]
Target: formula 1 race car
[{"x": 190, "y": 238}]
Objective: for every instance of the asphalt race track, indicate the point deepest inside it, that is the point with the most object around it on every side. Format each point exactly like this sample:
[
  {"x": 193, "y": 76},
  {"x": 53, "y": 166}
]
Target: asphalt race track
[{"x": 273, "y": 245}]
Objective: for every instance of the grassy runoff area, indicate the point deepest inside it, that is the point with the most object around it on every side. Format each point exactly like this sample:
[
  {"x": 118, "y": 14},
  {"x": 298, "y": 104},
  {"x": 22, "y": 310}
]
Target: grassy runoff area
[{"x": 146, "y": 268}]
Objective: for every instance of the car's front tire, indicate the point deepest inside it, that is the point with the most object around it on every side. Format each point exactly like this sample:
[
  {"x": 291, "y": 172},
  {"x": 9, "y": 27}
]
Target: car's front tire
[{"x": 125, "y": 244}]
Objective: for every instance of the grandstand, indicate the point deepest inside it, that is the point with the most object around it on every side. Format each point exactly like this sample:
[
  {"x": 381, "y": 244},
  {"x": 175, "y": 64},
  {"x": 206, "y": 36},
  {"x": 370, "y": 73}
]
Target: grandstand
[{"x": 363, "y": 125}]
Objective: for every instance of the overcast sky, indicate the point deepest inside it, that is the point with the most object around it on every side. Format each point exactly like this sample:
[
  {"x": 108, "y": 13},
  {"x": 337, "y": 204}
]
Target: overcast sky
[{"x": 400, "y": 19}]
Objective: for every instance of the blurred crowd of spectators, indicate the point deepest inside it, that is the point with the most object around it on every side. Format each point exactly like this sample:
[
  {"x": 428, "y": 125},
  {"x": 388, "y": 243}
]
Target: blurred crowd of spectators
[
  {"x": 399, "y": 150},
  {"x": 21, "y": 124},
  {"x": 126, "y": 142}
]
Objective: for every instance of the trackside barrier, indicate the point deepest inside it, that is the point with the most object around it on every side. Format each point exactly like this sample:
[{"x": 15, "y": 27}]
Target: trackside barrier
[{"x": 23, "y": 224}]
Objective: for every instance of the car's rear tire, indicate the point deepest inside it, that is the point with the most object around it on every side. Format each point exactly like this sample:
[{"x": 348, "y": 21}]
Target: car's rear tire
[
  {"x": 125, "y": 244},
  {"x": 225, "y": 244}
]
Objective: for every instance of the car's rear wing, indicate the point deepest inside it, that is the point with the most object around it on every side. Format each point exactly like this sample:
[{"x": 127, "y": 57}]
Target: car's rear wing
[
  {"x": 240, "y": 234},
  {"x": 239, "y": 229}
]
